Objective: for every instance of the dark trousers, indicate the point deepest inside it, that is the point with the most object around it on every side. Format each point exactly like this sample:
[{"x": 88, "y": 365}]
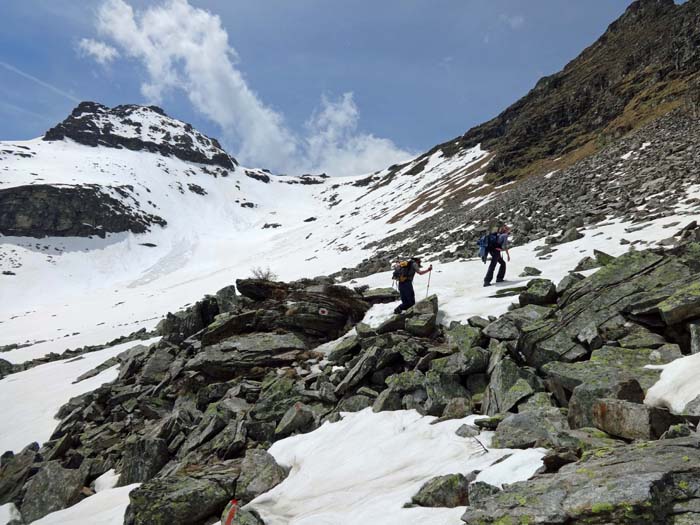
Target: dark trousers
[
  {"x": 496, "y": 258},
  {"x": 408, "y": 296}
]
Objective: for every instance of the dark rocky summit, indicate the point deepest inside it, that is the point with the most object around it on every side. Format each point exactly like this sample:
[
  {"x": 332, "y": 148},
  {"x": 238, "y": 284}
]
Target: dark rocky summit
[{"x": 139, "y": 128}]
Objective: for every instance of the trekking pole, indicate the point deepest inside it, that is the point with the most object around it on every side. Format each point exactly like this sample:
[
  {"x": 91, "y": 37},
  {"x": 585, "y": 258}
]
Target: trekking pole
[{"x": 427, "y": 290}]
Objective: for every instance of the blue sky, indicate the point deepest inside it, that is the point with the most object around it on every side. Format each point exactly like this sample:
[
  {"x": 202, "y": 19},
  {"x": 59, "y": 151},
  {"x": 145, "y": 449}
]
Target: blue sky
[{"x": 416, "y": 72}]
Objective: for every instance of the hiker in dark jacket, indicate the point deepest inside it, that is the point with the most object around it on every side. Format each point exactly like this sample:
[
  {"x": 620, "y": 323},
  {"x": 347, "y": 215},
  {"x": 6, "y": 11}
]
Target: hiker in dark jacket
[
  {"x": 496, "y": 253},
  {"x": 408, "y": 296}
]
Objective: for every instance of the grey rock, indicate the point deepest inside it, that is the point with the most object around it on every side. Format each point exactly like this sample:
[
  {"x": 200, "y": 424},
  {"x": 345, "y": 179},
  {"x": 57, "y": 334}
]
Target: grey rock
[
  {"x": 631, "y": 486},
  {"x": 540, "y": 292},
  {"x": 388, "y": 400},
  {"x": 259, "y": 474},
  {"x": 298, "y": 419},
  {"x": 509, "y": 385},
  {"x": 143, "y": 458},
  {"x": 632, "y": 420},
  {"x": 52, "y": 488},
  {"x": 444, "y": 491}
]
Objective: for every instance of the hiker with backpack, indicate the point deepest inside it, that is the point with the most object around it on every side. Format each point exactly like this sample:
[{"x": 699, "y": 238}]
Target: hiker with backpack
[
  {"x": 404, "y": 272},
  {"x": 494, "y": 244}
]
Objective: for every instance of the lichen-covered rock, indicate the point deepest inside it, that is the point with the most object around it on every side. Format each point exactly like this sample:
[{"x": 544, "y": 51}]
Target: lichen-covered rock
[
  {"x": 345, "y": 350},
  {"x": 183, "y": 499},
  {"x": 259, "y": 474},
  {"x": 298, "y": 419},
  {"x": 540, "y": 292},
  {"x": 536, "y": 428},
  {"x": 406, "y": 381},
  {"x": 473, "y": 360},
  {"x": 440, "y": 390},
  {"x": 224, "y": 360},
  {"x": 387, "y": 400},
  {"x": 464, "y": 337},
  {"x": 509, "y": 385},
  {"x": 15, "y": 469},
  {"x": 444, "y": 491},
  {"x": 143, "y": 458},
  {"x": 508, "y": 326},
  {"x": 630, "y": 485},
  {"x": 52, "y": 488}
]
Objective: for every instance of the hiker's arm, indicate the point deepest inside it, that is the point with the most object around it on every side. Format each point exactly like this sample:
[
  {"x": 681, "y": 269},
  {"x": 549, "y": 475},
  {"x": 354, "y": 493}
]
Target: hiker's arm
[
  {"x": 430, "y": 269},
  {"x": 508, "y": 254}
]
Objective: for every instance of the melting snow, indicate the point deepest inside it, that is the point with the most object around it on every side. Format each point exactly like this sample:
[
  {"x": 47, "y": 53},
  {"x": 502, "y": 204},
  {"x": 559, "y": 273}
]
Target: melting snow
[{"x": 364, "y": 468}]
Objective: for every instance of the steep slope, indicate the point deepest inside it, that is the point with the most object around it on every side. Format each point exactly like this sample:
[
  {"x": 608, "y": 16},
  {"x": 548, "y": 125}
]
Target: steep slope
[{"x": 644, "y": 65}]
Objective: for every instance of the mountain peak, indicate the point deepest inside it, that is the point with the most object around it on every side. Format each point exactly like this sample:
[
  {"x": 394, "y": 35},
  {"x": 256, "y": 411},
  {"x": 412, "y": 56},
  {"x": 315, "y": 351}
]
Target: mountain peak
[{"x": 139, "y": 128}]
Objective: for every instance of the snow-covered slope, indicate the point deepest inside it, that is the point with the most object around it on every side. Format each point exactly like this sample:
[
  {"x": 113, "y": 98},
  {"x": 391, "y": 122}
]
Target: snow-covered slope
[{"x": 220, "y": 222}]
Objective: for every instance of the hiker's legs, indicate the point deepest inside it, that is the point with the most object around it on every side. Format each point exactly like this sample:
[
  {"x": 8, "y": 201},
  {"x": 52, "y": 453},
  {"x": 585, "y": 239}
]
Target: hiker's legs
[
  {"x": 502, "y": 269},
  {"x": 408, "y": 297},
  {"x": 495, "y": 256}
]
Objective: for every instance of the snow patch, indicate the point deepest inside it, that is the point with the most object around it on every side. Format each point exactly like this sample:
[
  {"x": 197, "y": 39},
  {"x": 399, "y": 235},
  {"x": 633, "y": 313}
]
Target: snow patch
[{"x": 364, "y": 468}]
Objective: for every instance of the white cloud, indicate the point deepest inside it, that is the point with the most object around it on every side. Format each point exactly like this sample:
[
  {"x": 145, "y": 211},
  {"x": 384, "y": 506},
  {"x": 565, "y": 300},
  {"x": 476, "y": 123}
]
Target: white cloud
[
  {"x": 513, "y": 21},
  {"x": 187, "y": 48},
  {"x": 100, "y": 51}
]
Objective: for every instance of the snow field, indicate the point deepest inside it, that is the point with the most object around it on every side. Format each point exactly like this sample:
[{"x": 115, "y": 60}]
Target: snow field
[
  {"x": 364, "y": 468},
  {"x": 31, "y": 399}
]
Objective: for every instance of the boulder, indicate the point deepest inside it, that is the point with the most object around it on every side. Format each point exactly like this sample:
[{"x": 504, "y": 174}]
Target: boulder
[
  {"x": 345, "y": 350},
  {"x": 355, "y": 403},
  {"x": 260, "y": 289},
  {"x": 183, "y": 499},
  {"x": 440, "y": 390},
  {"x": 364, "y": 366},
  {"x": 52, "y": 488},
  {"x": 529, "y": 271},
  {"x": 463, "y": 362},
  {"x": 444, "y": 491},
  {"x": 298, "y": 419},
  {"x": 684, "y": 304},
  {"x": 568, "y": 282},
  {"x": 464, "y": 337},
  {"x": 259, "y": 474},
  {"x": 406, "y": 381},
  {"x": 540, "y": 292},
  {"x": 143, "y": 458},
  {"x": 545, "y": 427},
  {"x": 632, "y": 420},
  {"x": 509, "y": 385},
  {"x": 611, "y": 372},
  {"x": 15, "y": 469},
  {"x": 508, "y": 327},
  {"x": 227, "y": 299},
  {"x": 380, "y": 295},
  {"x": 387, "y": 400},
  {"x": 226, "y": 359},
  {"x": 634, "y": 485}
]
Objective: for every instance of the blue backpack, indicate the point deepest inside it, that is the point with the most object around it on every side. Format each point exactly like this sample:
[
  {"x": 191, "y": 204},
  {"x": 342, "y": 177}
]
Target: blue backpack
[{"x": 486, "y": 244}]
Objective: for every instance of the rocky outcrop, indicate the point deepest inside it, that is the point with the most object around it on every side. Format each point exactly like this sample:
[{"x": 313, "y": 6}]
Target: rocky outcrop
[
  {"x": 653, "y": 484},
  {"x": 139, "y": 128},
  {"x": 191, "y": 416},
  {"x": 41, "y": 210}
]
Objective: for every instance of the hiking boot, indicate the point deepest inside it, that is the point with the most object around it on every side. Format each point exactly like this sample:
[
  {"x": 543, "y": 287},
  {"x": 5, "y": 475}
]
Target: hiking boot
[
  {"x": 397, "y": 310},
  {"x": 487, "y": 284},
  {"x": 500, "y": 280}
]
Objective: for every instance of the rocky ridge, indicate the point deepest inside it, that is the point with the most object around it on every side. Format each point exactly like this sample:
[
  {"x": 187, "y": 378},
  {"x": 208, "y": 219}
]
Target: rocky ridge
[
  {"x": 659, "y": 160},
  {"x": 191, "y": 416}
]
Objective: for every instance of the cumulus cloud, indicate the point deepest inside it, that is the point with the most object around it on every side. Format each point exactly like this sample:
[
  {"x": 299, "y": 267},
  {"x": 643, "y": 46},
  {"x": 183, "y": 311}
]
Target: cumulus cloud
[
  {"x": 186, "y": 48},
  {"x": 101, "y": 52}
]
